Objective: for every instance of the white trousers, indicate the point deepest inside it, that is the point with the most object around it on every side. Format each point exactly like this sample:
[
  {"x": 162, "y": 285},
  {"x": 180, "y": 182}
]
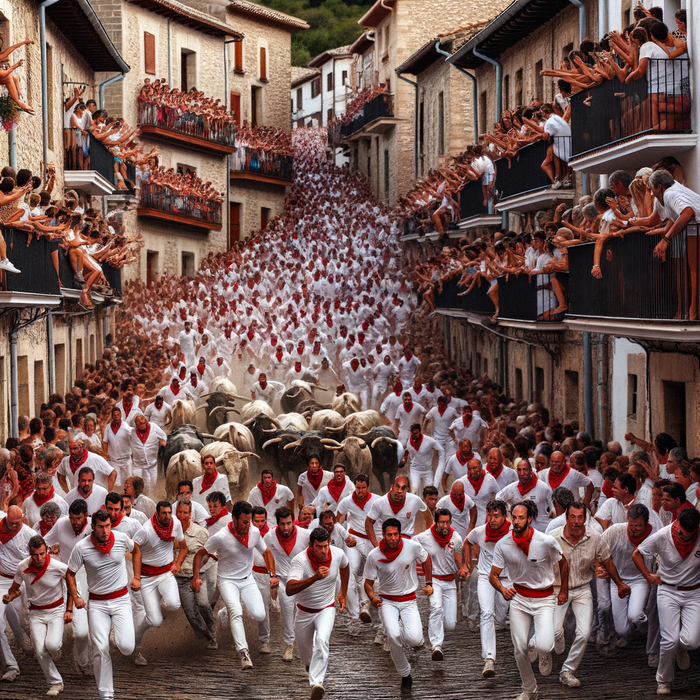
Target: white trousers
[
  {"x": 262, "y": 581},
  {"x": 8, "y": 611},
  {"x": 394, "y": 613},
  {"x": 149, "y": 476},
  {"x": 377, "y": 391},
  {"x": 443, "y": 611},
  {"x": 357, "y": 556},
  {"x": 629, "y": 612},
  {"x": 123, "y": 468},
  {"x": 525, "y": 612},
  {"x": 156, "y": 591},
  {"x": 581, "y": 602},
  {"x": 287, "y": 613},
  {"x": 46, "y": 630},
  {"x": 448, "y": 445},
  {"x": 232, "y": 591},
  {"x": 493, "y": 608},
  {"x": 102, "y": 616},
  {"x": 313, "y": 634},
  {"x": 679, "y": 619},
  {"x": 420, "y": 478},
  {"x": 80, "y": 627}
]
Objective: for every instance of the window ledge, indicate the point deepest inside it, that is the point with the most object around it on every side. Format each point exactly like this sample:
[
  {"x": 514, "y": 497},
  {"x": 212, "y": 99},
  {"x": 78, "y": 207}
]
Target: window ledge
[{"x": 239, "y": 71}]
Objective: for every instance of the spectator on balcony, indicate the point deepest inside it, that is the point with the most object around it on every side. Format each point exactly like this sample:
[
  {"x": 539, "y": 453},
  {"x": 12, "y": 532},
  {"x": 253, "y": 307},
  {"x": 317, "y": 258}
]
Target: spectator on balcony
[
  {"x": 69, "y": 135},
  {"x": 9, "y": 212},
  {"x": 82, "y": 137},
  {"x": 563, "y": 100},
  {"x": 558, "y": 133}
]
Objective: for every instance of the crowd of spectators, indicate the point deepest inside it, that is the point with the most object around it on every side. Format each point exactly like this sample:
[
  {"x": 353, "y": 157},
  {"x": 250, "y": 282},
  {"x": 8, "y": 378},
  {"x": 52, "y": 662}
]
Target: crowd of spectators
[
  {"x": 356, "y": 106},
  {"x": 263, "y": 149}
]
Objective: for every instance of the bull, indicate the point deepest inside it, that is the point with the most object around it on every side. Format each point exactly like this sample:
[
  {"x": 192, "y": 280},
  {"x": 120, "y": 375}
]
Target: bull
[
  {"x": 353, "y": 454},
  {"x": 386, "y": 451},
  {"x": 357, "y": 423},
  {"x": 300, "y": 398},
  {"x": 236, "y": 434},
  {"x": 326, "y": 418},
  {"x": 347, "y": 403},
  {"x": 184, "y": 466},
  {"x": 234, "y": 464},
  {"x": 292, "y": 421},
  {"x": 184, "y": 437},
  {"x": 183, "y": 412},
  {"x": 290, "y": 451}
]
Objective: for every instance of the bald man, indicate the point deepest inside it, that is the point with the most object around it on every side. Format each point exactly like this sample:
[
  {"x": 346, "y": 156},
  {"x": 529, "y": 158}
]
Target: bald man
[
  {"x": 560, "y": 473},
  {"x": 462, "y": 507},
  {"x": 494, "y": 466}
]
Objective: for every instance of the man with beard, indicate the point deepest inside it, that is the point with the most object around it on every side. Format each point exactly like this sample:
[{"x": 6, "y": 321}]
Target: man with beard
[{"x": 270, "y": 495}]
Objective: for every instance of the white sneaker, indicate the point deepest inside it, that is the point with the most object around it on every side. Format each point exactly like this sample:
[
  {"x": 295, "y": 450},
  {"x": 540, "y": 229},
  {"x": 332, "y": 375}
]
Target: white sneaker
[
  {"x": 682, "y": 658},
  {"x": 265, "y": 648},
  {"x": 567, "y": 678},
  {"x": 55, "y": 689},
  {"x": 379, "y": 638},
  {"x": 527, "y": 696},
  {"x": 653, "y": 661},
  {"x": 288, "y": 654},
  {"x": 545, "y": 664},
  {"x": 10, "y": 674},
  {"x": 8, "y": 266},
  {"x": 663, "y": 688},
  {"x": 531, "y": 651},
  {"x": 559, "y": 644},
  {"x": 364, "y": 613},
  {"x": 246, "y": 661},
  {"x": 489, "y": 669},
  {"x": 140, "y": 660}
]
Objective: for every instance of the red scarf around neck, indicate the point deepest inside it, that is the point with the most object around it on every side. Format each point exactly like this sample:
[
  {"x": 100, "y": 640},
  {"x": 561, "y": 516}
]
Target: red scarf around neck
[
  {"x": 267, "y": 493},
  {"x": 458, "y": 500},
  {"x": 243, "y": 539},
  {"x": 315, "y": 562},
  {"x": 360, "y": 504},
  {"x": 165, "y": 533},
  {"x": 264, "y": 529},
  {"x": 495, "y": 535},
  {"x": 40, "y": 501},
  {"x": 127, "y": 408},
  {"x": 684, "y": 548},
  {"x": 105, "y": 547},
  {"x": 335, "y": 489},
  {"x": 208, "y": 481},
  {"x": 524, "y": 542},
  {"x": 390, "y": 554},
  {"x": 76, "y": 464},
  {"x": 201, "y": 368},
  {"x": 683, "y": 506},
  {"x": 395, "y": 507},
  {"x": 287, "y": 543},
  {"x": 416, "y": 444},
  {"x": 115, "y": 430},
  {"x": 529, "y": 486},
  {"x": 175, "y": 389},
  {"x": 44, "y": 529},
  {"x": 443, "y": 541},
  {"x": 495, "y": 474},
  {"x": 476, "y": 485},
  {"x": 315, "y": 479},
  {"x": 607, "y": 490},
  {"x": 5, "y": 534},
  {"x": 441, "y": 411},
  {"x": 636, "y": 541},
  {"x": 556, "y": 480},
  {"x": 143, "y": 436},
  {"x": 31, "y": 569},
  {"x": 464, "y": 460},
  {"x": 215, "y": 518},
  {"x": 115, "y": 523}
]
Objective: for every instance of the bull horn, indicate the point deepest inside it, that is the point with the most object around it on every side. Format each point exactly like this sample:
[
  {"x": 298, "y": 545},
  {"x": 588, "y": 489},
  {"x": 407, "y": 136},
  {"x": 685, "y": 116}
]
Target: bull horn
[
  {"x": 248, "y": 454},
  {"x": 331, "y": 447},
  {"x": 268, "y": 430},
  {"x": 364, "y": 436},
  {"x": 295, "y": 394},
  {"x": 233, "y": 410},
  {"x": 335, "y": 430},
  {"x": 379, "y": 439},
  {"x": 237, "y": 396},
  {"x": 328, "y": 441},
  {"x": 296, "y": 443},
  {"x": 208, "y": 435},
  {"x": 363, "y": 444},
  {"x": 319, "y": 388},
  {"x": 250, "y": 421},
  {"x": 272, "y": 442},
  {"x": 201, "y": 405}
]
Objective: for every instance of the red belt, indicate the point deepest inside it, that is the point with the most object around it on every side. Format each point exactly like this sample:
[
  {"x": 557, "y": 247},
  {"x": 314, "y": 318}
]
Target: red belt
[
  {"x": 533, "y": 592},
  {"x": 399, "y": 598},
  {"x": 440, "y": 577},
  {"x": 260, "y": 570},
  {"x": 356, "y": 533},
  {"x": 4, "y": 575},
  {"x": 147, "y": 570},
  {"x": 109, "y": 596},
  {"x": 313, "y": 610},
  {"x": 50, "y": 606}
]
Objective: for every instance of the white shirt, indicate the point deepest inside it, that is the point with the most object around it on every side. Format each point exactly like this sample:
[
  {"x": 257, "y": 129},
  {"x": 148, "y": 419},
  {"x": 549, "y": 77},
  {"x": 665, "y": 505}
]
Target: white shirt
[
  {"x": 118, "y": 444},
  {"x": 489, "y": 488},
  {"x": 541, "y": 495},
  {"x": 138, "y": 515},
  {"x": 422, "y": 458},
  {"x": 154, "y": 550},
  {"x": 145, "y": 455},
  {"x": 412, "y": 505},
  {"x": 460, "y": 518},
  {"x": 614, "y": 511},
  {"x": 478, "y": 537},
  {"x": 99, "y": 465},
  {"x": 153, "y": 415},
  {"x": 64, "y": 536},
  {"x": 221, "y": 484},
  {"x": 320, "y": 594},
  {"x": 407, "y": 369},
  {"x": 397, "y": 577},
  {"x": 308, "y": 492},
  {"x": 106, "y": 573},
  {"x": 534, "y": 570},
  {"x": 673, "y": 569},
  {"x": 325, "y": 501},
  {"x": 12, "y": 553},
  {"x": 356, "y": 516},
  {"x": 144, "y": 504},
  {"x": 507, "y": 476},
  {"x": 134, "y": 411},
  {"x": 454, "y": 465},
  {"x": 431, "y": 397},
  {"x": 390, "y": 405},
  {"x": 33, "y": 512},
  {"x": 219, "y": 524},
  {"x": 49, "y": 588},
  {"x": 560, "y": 520},
  {"x": 621, "y": 552},
  {"x": 282, "y": 495},
  {"x": 235, "y": 559},
  {"x": 382, "y": 373},
  {"x": 442, "y": 558},
  {"x": 406, "y": 419},
  {"x": 677, "y": 198},
  {"x": 169, "y": 396},
  {"x": 93, "y": 439},
  {"x": 422, "y": 397},
  {"x": 442, "y": 423},
  {"x": 95, "y": 500},
  {"x": 187, "y": 342},
  {"x": 283, "y": 561},
  {"x": 572, "y": 481},
  {"x": 471, "y": 432},
  {"x": 198, "y": 515},
  {"x": 128, "y": 526}
]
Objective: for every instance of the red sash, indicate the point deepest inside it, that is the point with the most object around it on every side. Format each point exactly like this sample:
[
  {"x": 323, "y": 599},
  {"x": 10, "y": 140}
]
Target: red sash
[
  {"x": 399, "y": 598},
  {"x": 313, "y": 610},
  {"x": 533, "y": 592},
  {"x": 260, "y": 569},
  {"x": 446, "y": 577},
  {"x": 148, "y": 570},
  {"x": 50, "y": 606},
  {"x": 109, "y": 596},
  {"x": 354, "y": 532}
]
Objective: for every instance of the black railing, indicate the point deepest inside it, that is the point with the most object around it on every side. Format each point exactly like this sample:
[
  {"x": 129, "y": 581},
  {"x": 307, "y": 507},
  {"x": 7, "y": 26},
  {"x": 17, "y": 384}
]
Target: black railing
[
  {"x": 453, "y": 297},
  {"x": 522, "y": 299},
  {"x": 634, "y": 284},
  {"x": 112, "y": 275},
  {"x": 259, "y": 162},
  {"x": 100, "y": 159},
  {"x": 380, "y": 106},
  {"x": 525, "y": 173},
  {"x": 185, "y": 123},
  {"x": 169, "y": 202},
  {"x": 37, "y": 272},
  {"x": 471, "y": 200},
  {"x": 613, "y": 111}
]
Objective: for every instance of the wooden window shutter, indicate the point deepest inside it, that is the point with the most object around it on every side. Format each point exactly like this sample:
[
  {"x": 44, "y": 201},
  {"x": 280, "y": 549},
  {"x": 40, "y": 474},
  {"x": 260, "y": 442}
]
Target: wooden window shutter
[
  {"x": 238, "y": 57},
  {"x": 236, "y": 107},
  {"x": 263, "y": 63},
  {"x": 149, "y": 53}
]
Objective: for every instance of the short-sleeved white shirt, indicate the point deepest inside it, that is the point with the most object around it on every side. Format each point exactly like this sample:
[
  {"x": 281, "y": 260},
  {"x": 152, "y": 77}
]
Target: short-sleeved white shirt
[
  {"x": 422, "y": 458},
  {"x": 616, "y": 512},
  {"x": 118, "y": 444},
  {"x": 128, "y": 526},
  {"x": 356, "y": 516},
  {"x": 621, "y": 552},
  {"x": 541, "y": 495},
  {"x": 33, "y": 512},
  {"x": 572, "y": 481},
  {"x": 489, "y": 488},
  {"x": 153, "y": 415},
  {"x": 442, "y": 558},
  {"x": 64, "y": 536},
  {"x": 221, "y": 484},
  {"x": 283, "y": 561},
  {"x": 49, "y": 588},
  {"x": 320, "y": 594},
  {"x": 390, "y": 405},
  {"x": 507, "y": 476},
  {"x": 412, "y": 505},
  {"x": 16, "y": 549},
  {"x": 235, "y": 559},
  {"x": 460, "y": 519},
  {"x": 397, "y": 577},
  {"x": 145, "y": 455},
  {"x": 283, "y": 494},
  {"x": 471, "y": 432},
  {"x": 673, "y": 569},
  {"x": 407, "y": 369},
  {"x": 99, "y": 465},
  {"x": 106, "y": 573},
  {"x": 406, "y": 419},
  {"x": 154, "y": 550},
  {"x": 454, "y": 465},
  {"x": 308, "y": 492},
  {"x": 534, "y": 570},
  {"x": 95, "y": 500},
  {"x": 324, "y": 500},
  {"x": 442, "y": 423},
  {"x": 478, "y": 537}
]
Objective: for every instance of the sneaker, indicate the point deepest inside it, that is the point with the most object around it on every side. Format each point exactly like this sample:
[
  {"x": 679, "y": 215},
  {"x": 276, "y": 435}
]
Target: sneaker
[
  {"x": 621, "y": 642},
  {"x": 8, "y": 266},
  {"x": 567, "y": 678},
  {"x": 387, "y": 644},
  {"x": 213, "y": 644},
  {"x": 246, "y": 662},
  {"x": 379, "y": 638},
  {"x": 527, "y": 696},
  {"x": 682, "y": 658},
  {"x": 317, "y": 692},
  {"x": 139, "y": 659},
  {"x": 531, "y": 651},
  {"x": 653, "y": 661},
  {"x": 489, "y": 669},
  {"x": 288, "y": 654},
  {"x": 663, "y": 688},
  {"x": 473, "y": 625},
  {"x": 79, "y": 276},
  {"x": 437, "y": 654},
  {"x": 10, "y": 674},
  {"x": 55, "y": 689},
  {"x": 559, "y": 644},
  {"x": 545, "y": 664},
  {"x": 364, "y": 613},
  {"x": 406, "y": 682},
  {"x": 556, "y": 184},
  {"x": 567, "y": 183},
  {"x": 265, "y": 648}
]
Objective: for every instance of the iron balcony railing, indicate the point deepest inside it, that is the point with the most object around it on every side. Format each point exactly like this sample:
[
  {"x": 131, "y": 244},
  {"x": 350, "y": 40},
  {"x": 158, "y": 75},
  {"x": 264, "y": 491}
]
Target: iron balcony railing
[
  {"x": 524, "y": 299},
  {"x": 113, "y": 275},
  {"x": 169, "y": 202},
  {"x": 38, "y": 274},
  {"x": 471, "y": 200},
  {"x": 634, "y": 284},
  {"x": 453, "y": 297},
  {"x": 658, "y": 102},
  {"x": 185, "y": 123},
  {"x": 260, "y": 162},
  {"x": 101, "y": 160},
  {"x": 380, "y": 106}
]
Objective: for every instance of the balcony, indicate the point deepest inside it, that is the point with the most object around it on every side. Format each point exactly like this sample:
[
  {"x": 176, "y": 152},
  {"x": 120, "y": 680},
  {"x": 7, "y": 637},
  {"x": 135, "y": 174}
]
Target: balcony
[
  {"x": 375, "y": 117},
  {"x": 161, "y": 203},
  {"x": 638, "y": 296},
  {"x": 71, "y": 288},
  {"x": 524, "y": 186},
  {"x": 185, "y": 129},
  {"x": 473, "y": 305},
  {"x": 261, "y": 166},
  {"x": 472, "y": 212},
  {"x": 530, "y": 304},
  {"x": 618, "y": 126},
  {"x": 100, "y": 179}
]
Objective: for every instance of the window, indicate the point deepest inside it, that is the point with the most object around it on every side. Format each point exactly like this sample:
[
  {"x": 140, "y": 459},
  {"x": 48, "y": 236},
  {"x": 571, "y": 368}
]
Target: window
[
  {"x": 151, "y": 267},
  {"x": 234, "y": 223},
  {"x": 79, "y": 362},
  {"x": 300, "y": 97},
  {"x": 263, "y": 63},
  {"x": 441, "y": 123},
  {"x": 518, "y": 384},
  {"x": 255, "y": 106},
  {"x": 238, "y": 57},
  {"x": 329, "y": 82},
  {"x": 23, "y": 385},
  {"x": 329, "y": 115},
  {"x": 38, "y": 386},
  {"x": 188, "y": 77},
  {"x": 315, "y": 87},
  {"x": 236, "y": 107},
  {"x": 421, "y": 134},
  {"x": 539, "y": 82},
  {"x": 632, "y": 380},
  {"x": 506, "y": 92},
  {"x": 674, "y": 420},
  {"x": 518, "y": 88},
  {"x": 386, "y": 172},
  {"x": 539, "y": 385},
  {"x": 571, "y": 395},
  {"x": 344, "y": 77},
  {"x": 264, "y": 217},
  {"x": 149, "y": 53},
  {"x": 59, "y": 357},
  {"x": 187, "y": 264}
]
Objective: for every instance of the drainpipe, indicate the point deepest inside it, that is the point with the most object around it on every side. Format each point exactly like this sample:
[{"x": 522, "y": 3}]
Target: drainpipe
[
  {"x": 415, "y": 122},
  {"x": 106, "y": 83},
  {"x": 12, "y": 147},
  {"x": 44, "y": 99},
  {"x": 601, "y": 384},
  {"x": 14, "y": 389},
  {"x": 602, "y": 18},
  {"x": 582, "y": 24},
  {"x": 52, "y": 355},
  {"x": 499, "y": 79},
  {"x": 170, "y": 60},
  {"x": 530, "y": 376},
  {"x": 587, "y": 384},
  {"x": 227, "y": 103},
  {"x": 474, "y": 90}
]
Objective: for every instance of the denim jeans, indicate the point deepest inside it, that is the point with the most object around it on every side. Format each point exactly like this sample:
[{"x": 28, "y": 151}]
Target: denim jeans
[{"x": 196, "y": 607}]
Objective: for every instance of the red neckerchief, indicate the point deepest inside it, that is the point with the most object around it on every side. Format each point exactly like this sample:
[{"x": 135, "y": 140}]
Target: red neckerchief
[
  {"x": 464, "y": 421},
  {"x": 441, "y": 411},
  {"x": 243, "y": 539},
  {"x": 5, "y": 534},
  {"x": 127, "y": 411},
  {"x": 524, "y": 543},
  {"x": 458, "y": 501},
  {"x": 143, "y": 436},
  {"x": 105, "y": 548},
  {"x": 303, "y": 526},
  {"x": 416, "y": 445},
  {"x": 409, "y": 409},
  {"x": 267, "y": 493},
  {"x": 683, "y": 506},
  {"x": 182, "y": 373},
  {"x": 251, "y": 335},
  {"x": 476, "y": 485},
  {"x": 390, "y": 554},
  {"x": 215, "y": 518},
  {"x": 315, "y": 479},
  {"x": 300, "y": 352},
  {"x": 119, "y": 425},
  {"x": 556, "y": 480},
  {"x": 263, "y": 384},
  {"x": 174, "y": 390},
  {"x": 165, "y": 533},
  {"x": 31, "y": 569},
  {"x": 360, "y": 504},
  {"x": 115, "y": 523},
  {"x": 335, "y": 489},
  {"x": 264, "y": 530},
  {"x": 636, "y": 541},
  {"x": 316, "y": 563},
  {"x": 442, "y": 541},
  {"x": 529, "y": 486},
  {"x": 684, "y": 548},
  {"x": 607, "y": 490},
  {"x": 40, "y": 501},
  {"x": 395, "y": 507},
  {"x": 458, "y": 454},
  {"x": 201, "y": 368},
  {"x": 75, "y": 465},
  {"x": 44, "y": 528},
  {"x": 287, "y": 543},
  {"x": 495, "y": 535},
  {"x": 495, "y": 475},
  {"x": 208, "y": 481}
]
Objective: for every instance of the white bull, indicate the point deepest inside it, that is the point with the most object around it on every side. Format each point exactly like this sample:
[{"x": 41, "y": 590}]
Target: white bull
[
  {"x": 233, "y": 463},
  {"x": 183, "y": 412},
  {"x": 184, "y": 466}
]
